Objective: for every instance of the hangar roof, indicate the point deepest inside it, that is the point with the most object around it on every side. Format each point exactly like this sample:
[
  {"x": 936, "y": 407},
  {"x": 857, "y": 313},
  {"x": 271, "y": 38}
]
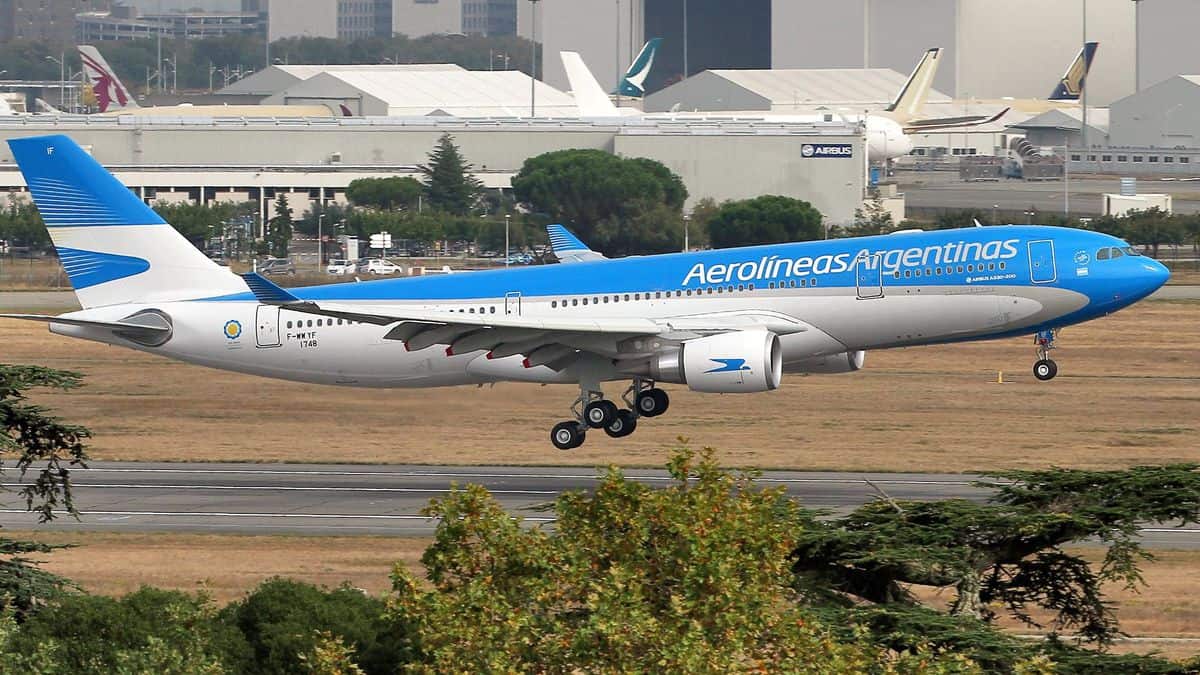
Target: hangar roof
[
  {"x": 275, "y": 79},
  {"x": 458, "y": 92},
  {"x": 783, "y": 90},
  {"x": 1067, "y": 119}
]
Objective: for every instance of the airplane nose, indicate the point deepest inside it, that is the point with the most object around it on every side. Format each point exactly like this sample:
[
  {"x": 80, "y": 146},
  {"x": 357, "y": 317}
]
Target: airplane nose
[{"x": 1153, "y": 275}]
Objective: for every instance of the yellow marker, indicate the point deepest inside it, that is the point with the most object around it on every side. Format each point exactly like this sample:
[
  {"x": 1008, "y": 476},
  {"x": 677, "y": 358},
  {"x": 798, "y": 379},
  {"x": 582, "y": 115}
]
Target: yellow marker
[{"x": 999, "y": 377}]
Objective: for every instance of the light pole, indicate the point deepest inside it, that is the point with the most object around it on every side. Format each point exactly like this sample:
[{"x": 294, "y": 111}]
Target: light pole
[
  {"x": 686, "y": 222},
  {"x": 506, "y": 256},
  {"x": 685, "y": 39},
  {"x": 995, "y": 208},
  {"x": 533, "y": 60},
  {"x": 320, "y": 241},
  {"x": 62, "y": 78}
]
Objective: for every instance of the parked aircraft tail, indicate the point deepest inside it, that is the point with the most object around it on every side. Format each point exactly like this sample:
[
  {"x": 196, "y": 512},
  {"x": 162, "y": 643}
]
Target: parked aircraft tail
[
  {"x": 911, "y": 99},
  {"x": 114, "y": 248},
  {"x": 111, "y": 94},
  {"x": 589, "y": 97},
  {"x": 1070, "y": 87},
  {"x": 633, "y": 85}
]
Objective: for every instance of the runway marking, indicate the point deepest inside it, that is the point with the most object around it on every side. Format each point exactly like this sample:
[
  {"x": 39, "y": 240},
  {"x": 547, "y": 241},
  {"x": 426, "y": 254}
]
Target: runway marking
[
  {"x": 225, "y": 514},
  {"x": 443, "y": 474},
  {"x": 282, "y": 488}
]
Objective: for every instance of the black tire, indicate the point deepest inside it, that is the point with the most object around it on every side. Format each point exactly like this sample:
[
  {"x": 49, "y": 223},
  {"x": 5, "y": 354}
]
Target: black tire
[
  {"x": 653, "y": 402},
  {"x": 568, "y": 435},
  {"x": 623, "y": 424},
  {"x": 599, "y": 414},
  {"x": 1045, "y": 370}
]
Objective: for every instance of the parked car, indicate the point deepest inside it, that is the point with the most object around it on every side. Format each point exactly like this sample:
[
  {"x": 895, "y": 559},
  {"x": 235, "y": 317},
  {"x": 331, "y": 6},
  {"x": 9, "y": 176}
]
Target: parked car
[
  {"x": 341, "y": 267},
  {"x": 276, "y": 266},
  {"x": 519, "y": 259},
  {"x": 381, "y": 266}
]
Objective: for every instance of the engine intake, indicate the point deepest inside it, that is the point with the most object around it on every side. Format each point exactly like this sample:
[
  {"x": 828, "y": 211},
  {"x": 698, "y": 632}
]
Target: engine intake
[{"x": 730, "y": 363}]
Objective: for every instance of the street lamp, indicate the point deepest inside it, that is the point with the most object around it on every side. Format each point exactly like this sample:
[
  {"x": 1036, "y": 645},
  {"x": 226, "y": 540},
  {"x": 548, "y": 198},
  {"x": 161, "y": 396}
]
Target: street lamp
[
  {"x": 995, "y": 208},
  {"x": 506, "y": 256},
  {"x": 686, "y": 221},
  {"x": 533, "y": 59},
  {"x": 62, "y": 78}
]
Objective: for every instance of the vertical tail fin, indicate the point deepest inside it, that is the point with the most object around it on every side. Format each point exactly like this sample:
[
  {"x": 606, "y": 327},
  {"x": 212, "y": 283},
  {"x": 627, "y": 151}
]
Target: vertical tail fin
[
  {"x": 589, "y": 96},
  {"x": 114, "y": 248},
  {"x": 1070, "y": 87},
  {"x": 911, "y": 99},
  {"x": 111, "y": 94},
  {"x": 633, "y": 84}
]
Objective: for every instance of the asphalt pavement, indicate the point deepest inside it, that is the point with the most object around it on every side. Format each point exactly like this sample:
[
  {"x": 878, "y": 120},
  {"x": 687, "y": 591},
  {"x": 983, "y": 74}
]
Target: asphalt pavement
[{"x": 386, "y": 500}]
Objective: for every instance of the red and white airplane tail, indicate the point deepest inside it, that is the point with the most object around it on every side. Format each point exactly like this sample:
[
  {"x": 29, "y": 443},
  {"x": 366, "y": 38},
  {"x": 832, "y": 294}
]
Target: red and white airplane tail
[{"x": 111, "y": 94}]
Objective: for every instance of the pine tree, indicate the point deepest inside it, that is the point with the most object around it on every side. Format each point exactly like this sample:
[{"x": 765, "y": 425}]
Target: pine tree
[
  {"x": 449, "y": 185},
  {"x": 279, "y": 228}
]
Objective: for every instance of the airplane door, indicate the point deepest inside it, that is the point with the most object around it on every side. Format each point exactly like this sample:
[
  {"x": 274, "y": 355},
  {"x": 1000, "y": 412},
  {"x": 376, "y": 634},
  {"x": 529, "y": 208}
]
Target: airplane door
[
  {"x": 869, "y": 274},
  {"x": 1041, "y": 262},
  {"x": 512, "y": 304},
  {"x": 267, "y": 326}
]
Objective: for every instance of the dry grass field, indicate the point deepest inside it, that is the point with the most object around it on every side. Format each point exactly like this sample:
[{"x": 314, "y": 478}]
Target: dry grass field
[
  {"x": 227, "y": 566},
  {"x": 1128, "y": 393}
]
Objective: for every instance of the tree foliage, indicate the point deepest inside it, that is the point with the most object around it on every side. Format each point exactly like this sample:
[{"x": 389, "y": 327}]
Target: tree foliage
[
  {"x": 279, "y": 228},
  {"x": 619, "y": 206},
  {"x": 450, "y": 186},
  {"x": 764, "y": 220},
  {"x": 871, "y": 218},
  {"x": 201, "y": 223},
  {"x": 385, "y": 194}
]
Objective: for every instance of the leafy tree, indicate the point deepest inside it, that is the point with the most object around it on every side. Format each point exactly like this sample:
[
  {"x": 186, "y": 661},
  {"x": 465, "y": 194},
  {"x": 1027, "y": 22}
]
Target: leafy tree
[
  {"x": 690, "y": 578},
  {"x": 334, "y": 215},
  {"x": 871, "y": 218},
  {"x": 764, "y": 220},
  {"x": 279, "y": 228},
  {"x": 449, "y": 184},
  {"x": 198, "y": 223},
  {"x": 619, "y": 206},
  {"x": 29, "y": 436},
  {"x": 150, "y": 630},
  {"x": 284, "y": 620},
  {"x": 21, "y": 224},
  {"x": 1007, "y": 552},
  {"x": 385, "y": 194}
]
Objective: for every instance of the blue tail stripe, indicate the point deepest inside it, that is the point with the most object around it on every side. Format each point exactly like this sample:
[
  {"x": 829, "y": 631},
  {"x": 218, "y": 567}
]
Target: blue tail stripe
[
  {"x": 89, "y": 268},
  {"x": 561, "y": 239},
  {"x": 71, "y": 189}
]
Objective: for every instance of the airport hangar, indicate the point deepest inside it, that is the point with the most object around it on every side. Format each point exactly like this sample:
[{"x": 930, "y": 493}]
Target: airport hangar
[{"x": 313, "y": 160}]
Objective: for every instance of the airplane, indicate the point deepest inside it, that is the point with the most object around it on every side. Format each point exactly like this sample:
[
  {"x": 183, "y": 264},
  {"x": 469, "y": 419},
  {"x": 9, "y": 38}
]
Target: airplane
[
  {"x": 887, "y": 131},
  {"x": 633, "y": 84},
  {"x": 720, "y": 321},
  {"x": 113, "y": 98}
]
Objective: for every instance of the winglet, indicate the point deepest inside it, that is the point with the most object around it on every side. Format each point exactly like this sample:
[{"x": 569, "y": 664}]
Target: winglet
[
  {"x": 267, "y": 292},
  {"x": 568, "y": 248}
]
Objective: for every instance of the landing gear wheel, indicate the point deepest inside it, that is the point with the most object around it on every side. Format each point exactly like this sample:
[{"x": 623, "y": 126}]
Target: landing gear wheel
[
  {"x": 599, "y": 414},
  {"x": 652, "y": 402},
  {"x": 623, "y": 424},
  {"x": 1045, "y": 369},
  {"x": 568, "y": 435}
]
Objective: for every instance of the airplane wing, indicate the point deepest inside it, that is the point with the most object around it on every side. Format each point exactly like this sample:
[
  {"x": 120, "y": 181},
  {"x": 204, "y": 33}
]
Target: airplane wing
[
  {"x": 935, "y": 124},
  {"x": 551, "y": 341},
  {"x": 568, "y": 248}
]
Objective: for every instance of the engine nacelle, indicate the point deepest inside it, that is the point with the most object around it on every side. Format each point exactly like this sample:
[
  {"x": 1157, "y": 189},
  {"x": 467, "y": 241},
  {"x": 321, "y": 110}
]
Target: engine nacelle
[
  {"x": 846, "y": 362},
  {"x": 730, "y": 363}
]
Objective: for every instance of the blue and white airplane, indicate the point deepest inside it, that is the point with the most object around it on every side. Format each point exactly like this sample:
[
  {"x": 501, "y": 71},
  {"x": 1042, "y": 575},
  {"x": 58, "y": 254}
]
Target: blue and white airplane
[{"x": 724, "y": 321}]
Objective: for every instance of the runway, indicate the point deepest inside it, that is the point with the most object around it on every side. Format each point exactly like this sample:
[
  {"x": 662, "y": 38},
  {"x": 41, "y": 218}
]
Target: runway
[{"x": 386, "y": 500}]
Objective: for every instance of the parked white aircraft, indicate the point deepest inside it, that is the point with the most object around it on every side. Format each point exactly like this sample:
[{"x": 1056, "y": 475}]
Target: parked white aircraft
[
  {"x": 724, "y": 321},
  {"x": 886, "y": 130}
]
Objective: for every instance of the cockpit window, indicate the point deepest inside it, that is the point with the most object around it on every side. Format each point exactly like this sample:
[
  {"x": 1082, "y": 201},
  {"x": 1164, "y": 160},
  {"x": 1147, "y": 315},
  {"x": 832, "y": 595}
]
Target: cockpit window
[
  {"x": 1102, "y": 254},
  {"x": 1129, "y": 250},
  {"x": 1116, "y": 253}
]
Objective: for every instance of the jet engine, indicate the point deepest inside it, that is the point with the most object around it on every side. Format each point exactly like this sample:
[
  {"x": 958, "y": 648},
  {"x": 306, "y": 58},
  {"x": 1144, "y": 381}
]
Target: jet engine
[
  {"x": 729, "y": 363},
  {"x": 845, "y": 362}
]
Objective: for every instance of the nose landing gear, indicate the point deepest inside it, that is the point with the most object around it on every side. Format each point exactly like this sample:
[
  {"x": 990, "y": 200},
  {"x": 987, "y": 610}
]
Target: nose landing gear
[
  {"x": 592, "y": 410},
  {"x": 1045, "y": 369}
]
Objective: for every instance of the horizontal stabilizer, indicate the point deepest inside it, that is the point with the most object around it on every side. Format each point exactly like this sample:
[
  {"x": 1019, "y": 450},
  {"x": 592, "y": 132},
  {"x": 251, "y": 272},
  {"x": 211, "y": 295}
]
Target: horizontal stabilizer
[
  {"x": 267, "y": 292},
  {"x": 88, "y": 323},
  {"x": 568, "y": 248}
]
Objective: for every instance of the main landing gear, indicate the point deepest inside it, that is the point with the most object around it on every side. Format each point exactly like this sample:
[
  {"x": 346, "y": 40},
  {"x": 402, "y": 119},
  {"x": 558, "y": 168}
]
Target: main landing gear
[
  {"x": 1045, "y": 369},
  {"x": 593, "y": 411}
]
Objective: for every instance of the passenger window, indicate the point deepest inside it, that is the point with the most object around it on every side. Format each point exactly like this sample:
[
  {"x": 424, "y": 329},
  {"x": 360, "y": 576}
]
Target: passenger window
[
  {"x": 310, "y": 323},
  {"x": 771, "y": 286},
  {"x": 494, "y": 309},
  {"x": 1116, "y": 253},
  {"x": 970, "y": 268},
  {"x": 585, "y": 301},
  {"x": 575, "y": 302},
  {"x": 907, "y": 274},
  {"x": 657, "y": 295},
  {"x": 289, "y": 324},
  {"x": 741, "y": 288},
  {"x": 812, "y": 282},
  {"x": 339, "y": 322},
  {"x": 472, "y": 310},
  {"x": 960, "y": 269},
  {"x": 1003, "y": 265},
  {"x": 918, "y": 273},
  {"x": 991, "y": 267},
  {"x": 553, "y": 304},
  {"x": 710, "y": 290},
  {"x": 606, "y": 299},
  {"x": 626, "y": 297},
  {"x": 595, "y": 301},
  {"x": 750, "y": 287},
  {"x": 679, "y": 294},
  {"x": 794, "y": 284},
  {"x": 637, "y": 296}
]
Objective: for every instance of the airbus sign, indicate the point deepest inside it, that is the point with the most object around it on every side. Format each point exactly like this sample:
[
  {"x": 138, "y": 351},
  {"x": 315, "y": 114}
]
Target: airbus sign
[{"x": 827, "y": 150}]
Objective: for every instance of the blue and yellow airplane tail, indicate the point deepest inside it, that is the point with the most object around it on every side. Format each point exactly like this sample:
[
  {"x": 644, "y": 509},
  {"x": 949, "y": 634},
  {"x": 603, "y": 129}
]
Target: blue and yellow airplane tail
[
  {"x": 1070, "y": 87},
  {"x": 633, "y": 85},
  {"x": 114, "y": 248}
]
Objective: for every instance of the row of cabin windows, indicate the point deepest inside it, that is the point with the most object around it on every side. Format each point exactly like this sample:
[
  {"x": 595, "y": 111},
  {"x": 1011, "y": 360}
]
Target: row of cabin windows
[
  {"x": 659, "y": 295},
  {"x": 939, "y": 271},
  {"x": 319, "y": 323}
]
